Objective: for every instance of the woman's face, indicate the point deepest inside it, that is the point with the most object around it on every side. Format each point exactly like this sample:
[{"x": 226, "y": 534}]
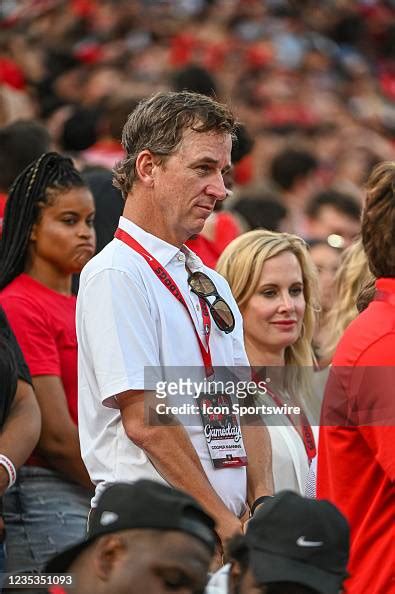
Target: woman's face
[
  {"x": 327, "y": 262},
  {"x": 273, "y": 316},
  {"x": 64, "y": 237}
]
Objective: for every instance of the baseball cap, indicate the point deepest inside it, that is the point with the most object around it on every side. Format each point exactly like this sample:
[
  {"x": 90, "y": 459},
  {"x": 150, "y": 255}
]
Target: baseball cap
[
  {"x": 297, "y": 539},
  {"x": 143, "y": 504}
]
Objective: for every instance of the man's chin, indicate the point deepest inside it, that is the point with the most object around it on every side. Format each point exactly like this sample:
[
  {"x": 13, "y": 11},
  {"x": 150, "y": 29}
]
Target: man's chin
[{"x": 194, "y": 234}]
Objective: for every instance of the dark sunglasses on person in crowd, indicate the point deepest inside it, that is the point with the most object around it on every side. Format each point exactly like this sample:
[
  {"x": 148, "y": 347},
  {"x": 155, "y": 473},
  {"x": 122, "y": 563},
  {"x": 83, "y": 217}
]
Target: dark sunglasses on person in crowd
[{"x": 203, "y": 287}]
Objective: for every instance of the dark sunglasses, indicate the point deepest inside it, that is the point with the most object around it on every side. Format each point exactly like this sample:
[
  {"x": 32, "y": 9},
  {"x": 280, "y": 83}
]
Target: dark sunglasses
[{"x": 203, "y": 287}]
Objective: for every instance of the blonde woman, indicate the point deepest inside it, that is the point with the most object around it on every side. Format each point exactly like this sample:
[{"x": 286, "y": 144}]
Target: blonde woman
[
  {"x": 326, "y": 259},
  {"x": 274, "y": 283},
  {"x": 352, "y": 277}
]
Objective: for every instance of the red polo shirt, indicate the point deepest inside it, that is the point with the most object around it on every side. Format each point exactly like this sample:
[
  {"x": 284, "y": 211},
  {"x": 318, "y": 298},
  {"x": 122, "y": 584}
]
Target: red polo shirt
[
  {"x": 356, "y": 460},
  {"x": 3, "y": 201}
]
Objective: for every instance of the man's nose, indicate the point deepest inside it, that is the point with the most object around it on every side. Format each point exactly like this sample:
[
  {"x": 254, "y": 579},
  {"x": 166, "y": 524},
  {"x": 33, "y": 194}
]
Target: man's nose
[{"x": 217, "y": 189}]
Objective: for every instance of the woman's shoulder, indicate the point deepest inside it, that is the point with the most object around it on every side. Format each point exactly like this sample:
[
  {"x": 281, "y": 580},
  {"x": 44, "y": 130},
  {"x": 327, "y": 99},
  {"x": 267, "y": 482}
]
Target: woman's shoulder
[
  {"x": 26, "y": 289},
  {"x": 28, "y": 304},
  {"x": 17, "y": 290}
]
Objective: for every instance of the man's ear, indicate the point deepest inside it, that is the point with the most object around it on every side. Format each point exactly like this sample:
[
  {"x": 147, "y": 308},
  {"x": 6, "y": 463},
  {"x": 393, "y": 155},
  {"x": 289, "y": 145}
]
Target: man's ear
[
  {"x": 145, "y": 164},
  {"x": 108, "y": 552}
]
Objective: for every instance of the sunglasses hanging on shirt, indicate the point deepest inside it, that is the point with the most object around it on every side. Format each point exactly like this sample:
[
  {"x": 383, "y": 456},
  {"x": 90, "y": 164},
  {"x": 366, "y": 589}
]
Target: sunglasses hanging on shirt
[{"x": 203, "y": 287}]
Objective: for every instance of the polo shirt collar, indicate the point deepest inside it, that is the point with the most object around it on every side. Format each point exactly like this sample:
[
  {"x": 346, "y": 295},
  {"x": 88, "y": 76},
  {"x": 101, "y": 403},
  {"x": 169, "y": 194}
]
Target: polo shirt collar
[
  {"x": 386, "y": 284},
  {"x": 164, "y": 252},
  {"x": 194, "y": 263}
]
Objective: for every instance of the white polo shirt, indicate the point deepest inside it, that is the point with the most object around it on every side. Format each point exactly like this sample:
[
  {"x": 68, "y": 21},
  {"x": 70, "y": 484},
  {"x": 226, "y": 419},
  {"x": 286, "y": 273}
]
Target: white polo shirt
[{"x": 127, "y": 320}]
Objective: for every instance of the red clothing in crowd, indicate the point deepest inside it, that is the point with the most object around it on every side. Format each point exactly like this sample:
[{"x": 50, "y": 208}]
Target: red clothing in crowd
[
  {"x": 11, "y": 74},
  {"x": 105, "y": 152},
  {"x": 44, "y": 324},
  {"x": 3, "y": 201},
  {"x": 226, "y": 230},
  {"x": 356, "y": 461}
]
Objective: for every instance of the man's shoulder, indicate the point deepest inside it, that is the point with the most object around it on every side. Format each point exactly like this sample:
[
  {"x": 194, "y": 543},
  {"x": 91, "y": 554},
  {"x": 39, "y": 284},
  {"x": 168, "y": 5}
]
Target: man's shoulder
[
  {"x": 219, "y": 281},
  {"x": 367, "y": 333},
  {"x": 115, "y": 256}
]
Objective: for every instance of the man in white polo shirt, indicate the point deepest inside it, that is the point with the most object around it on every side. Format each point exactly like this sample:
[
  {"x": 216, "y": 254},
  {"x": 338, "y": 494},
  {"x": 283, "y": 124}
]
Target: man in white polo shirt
[{"x": 147, "y": 302}]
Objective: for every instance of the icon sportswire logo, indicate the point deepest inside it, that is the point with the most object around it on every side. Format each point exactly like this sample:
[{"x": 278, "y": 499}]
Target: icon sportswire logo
[{"x": 302, "y": 542}]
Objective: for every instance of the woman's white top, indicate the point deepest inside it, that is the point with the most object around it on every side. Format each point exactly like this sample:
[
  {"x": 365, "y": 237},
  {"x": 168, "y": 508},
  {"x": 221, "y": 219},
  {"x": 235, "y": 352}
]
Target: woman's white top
[
  {"x": 289, "y": 459},
  {"x": 290, "y": 463}
]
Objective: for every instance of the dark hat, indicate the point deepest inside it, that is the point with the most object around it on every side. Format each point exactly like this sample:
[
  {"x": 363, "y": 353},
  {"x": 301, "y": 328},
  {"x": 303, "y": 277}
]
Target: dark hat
[
  {"x": 296, "y": 539},
  {"x": 143, "y": 504}
]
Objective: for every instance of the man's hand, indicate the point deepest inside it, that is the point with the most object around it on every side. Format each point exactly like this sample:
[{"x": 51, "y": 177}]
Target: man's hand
[{"x": 227, "y": 527}]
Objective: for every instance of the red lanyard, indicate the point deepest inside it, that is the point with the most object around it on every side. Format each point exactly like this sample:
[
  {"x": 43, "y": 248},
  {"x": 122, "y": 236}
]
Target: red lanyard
[
  {"x": 307, "y": 432},
  {"x": 171, "y": 285}
]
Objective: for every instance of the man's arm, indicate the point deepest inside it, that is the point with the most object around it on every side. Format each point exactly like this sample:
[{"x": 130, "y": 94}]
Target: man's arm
[
  {"x": 258, "y": 447},
  {"x": 21, "y": 430},
  {"x": 174, "y": 457}
]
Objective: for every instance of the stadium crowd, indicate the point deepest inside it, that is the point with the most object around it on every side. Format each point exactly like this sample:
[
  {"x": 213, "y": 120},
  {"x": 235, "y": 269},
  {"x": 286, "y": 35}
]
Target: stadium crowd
[{"x": 197, "y": 192}]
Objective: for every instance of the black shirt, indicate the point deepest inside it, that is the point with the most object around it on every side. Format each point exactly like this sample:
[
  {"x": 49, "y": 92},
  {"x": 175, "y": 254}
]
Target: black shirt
[{"x": 12, "y": 367}]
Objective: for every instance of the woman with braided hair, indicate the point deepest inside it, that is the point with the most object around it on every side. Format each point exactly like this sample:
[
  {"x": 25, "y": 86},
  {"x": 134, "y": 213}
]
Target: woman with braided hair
[{"x": 47, "y": 236}]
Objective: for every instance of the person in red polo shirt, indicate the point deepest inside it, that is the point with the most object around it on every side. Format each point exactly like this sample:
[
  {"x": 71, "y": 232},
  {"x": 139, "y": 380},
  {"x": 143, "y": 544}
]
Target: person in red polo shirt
[{"x": 356, "y": 461}]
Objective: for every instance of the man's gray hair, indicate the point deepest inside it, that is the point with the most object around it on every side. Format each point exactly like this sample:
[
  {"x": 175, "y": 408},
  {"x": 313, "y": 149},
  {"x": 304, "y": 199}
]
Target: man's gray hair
[{"x": 158, "y": 124}]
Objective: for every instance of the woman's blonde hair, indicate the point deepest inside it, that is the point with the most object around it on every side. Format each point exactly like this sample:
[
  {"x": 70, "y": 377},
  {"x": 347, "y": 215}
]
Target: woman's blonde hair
[
  {"x": 352, "y": 276},
  {"x": 241, "y": 264}
]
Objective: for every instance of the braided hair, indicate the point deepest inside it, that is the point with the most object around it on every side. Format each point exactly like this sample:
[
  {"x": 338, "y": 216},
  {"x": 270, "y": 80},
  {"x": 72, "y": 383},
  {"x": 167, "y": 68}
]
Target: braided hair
[{"x": 37, "y": 186}]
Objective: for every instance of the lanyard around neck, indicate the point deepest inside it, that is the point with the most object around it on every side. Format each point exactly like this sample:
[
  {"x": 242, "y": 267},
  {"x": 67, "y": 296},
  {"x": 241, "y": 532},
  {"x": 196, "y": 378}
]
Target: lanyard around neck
[
  {"x": 307, "y": 432},
  {"x": 166, "y": 279}
]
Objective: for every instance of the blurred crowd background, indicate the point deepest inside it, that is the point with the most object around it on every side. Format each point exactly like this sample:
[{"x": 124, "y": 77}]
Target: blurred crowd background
[
  {"x": 313, "y": 75},
  {"x": 312, "y": 83}
]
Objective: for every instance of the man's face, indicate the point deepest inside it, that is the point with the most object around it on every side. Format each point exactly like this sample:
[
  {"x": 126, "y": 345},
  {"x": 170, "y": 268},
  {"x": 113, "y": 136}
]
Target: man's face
[
  {"x": 189, "y": 182},
  {"x": 327, "y": 261},
  {"x": 331, "y": 221},
  {"x": 159, "y": 563}
]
